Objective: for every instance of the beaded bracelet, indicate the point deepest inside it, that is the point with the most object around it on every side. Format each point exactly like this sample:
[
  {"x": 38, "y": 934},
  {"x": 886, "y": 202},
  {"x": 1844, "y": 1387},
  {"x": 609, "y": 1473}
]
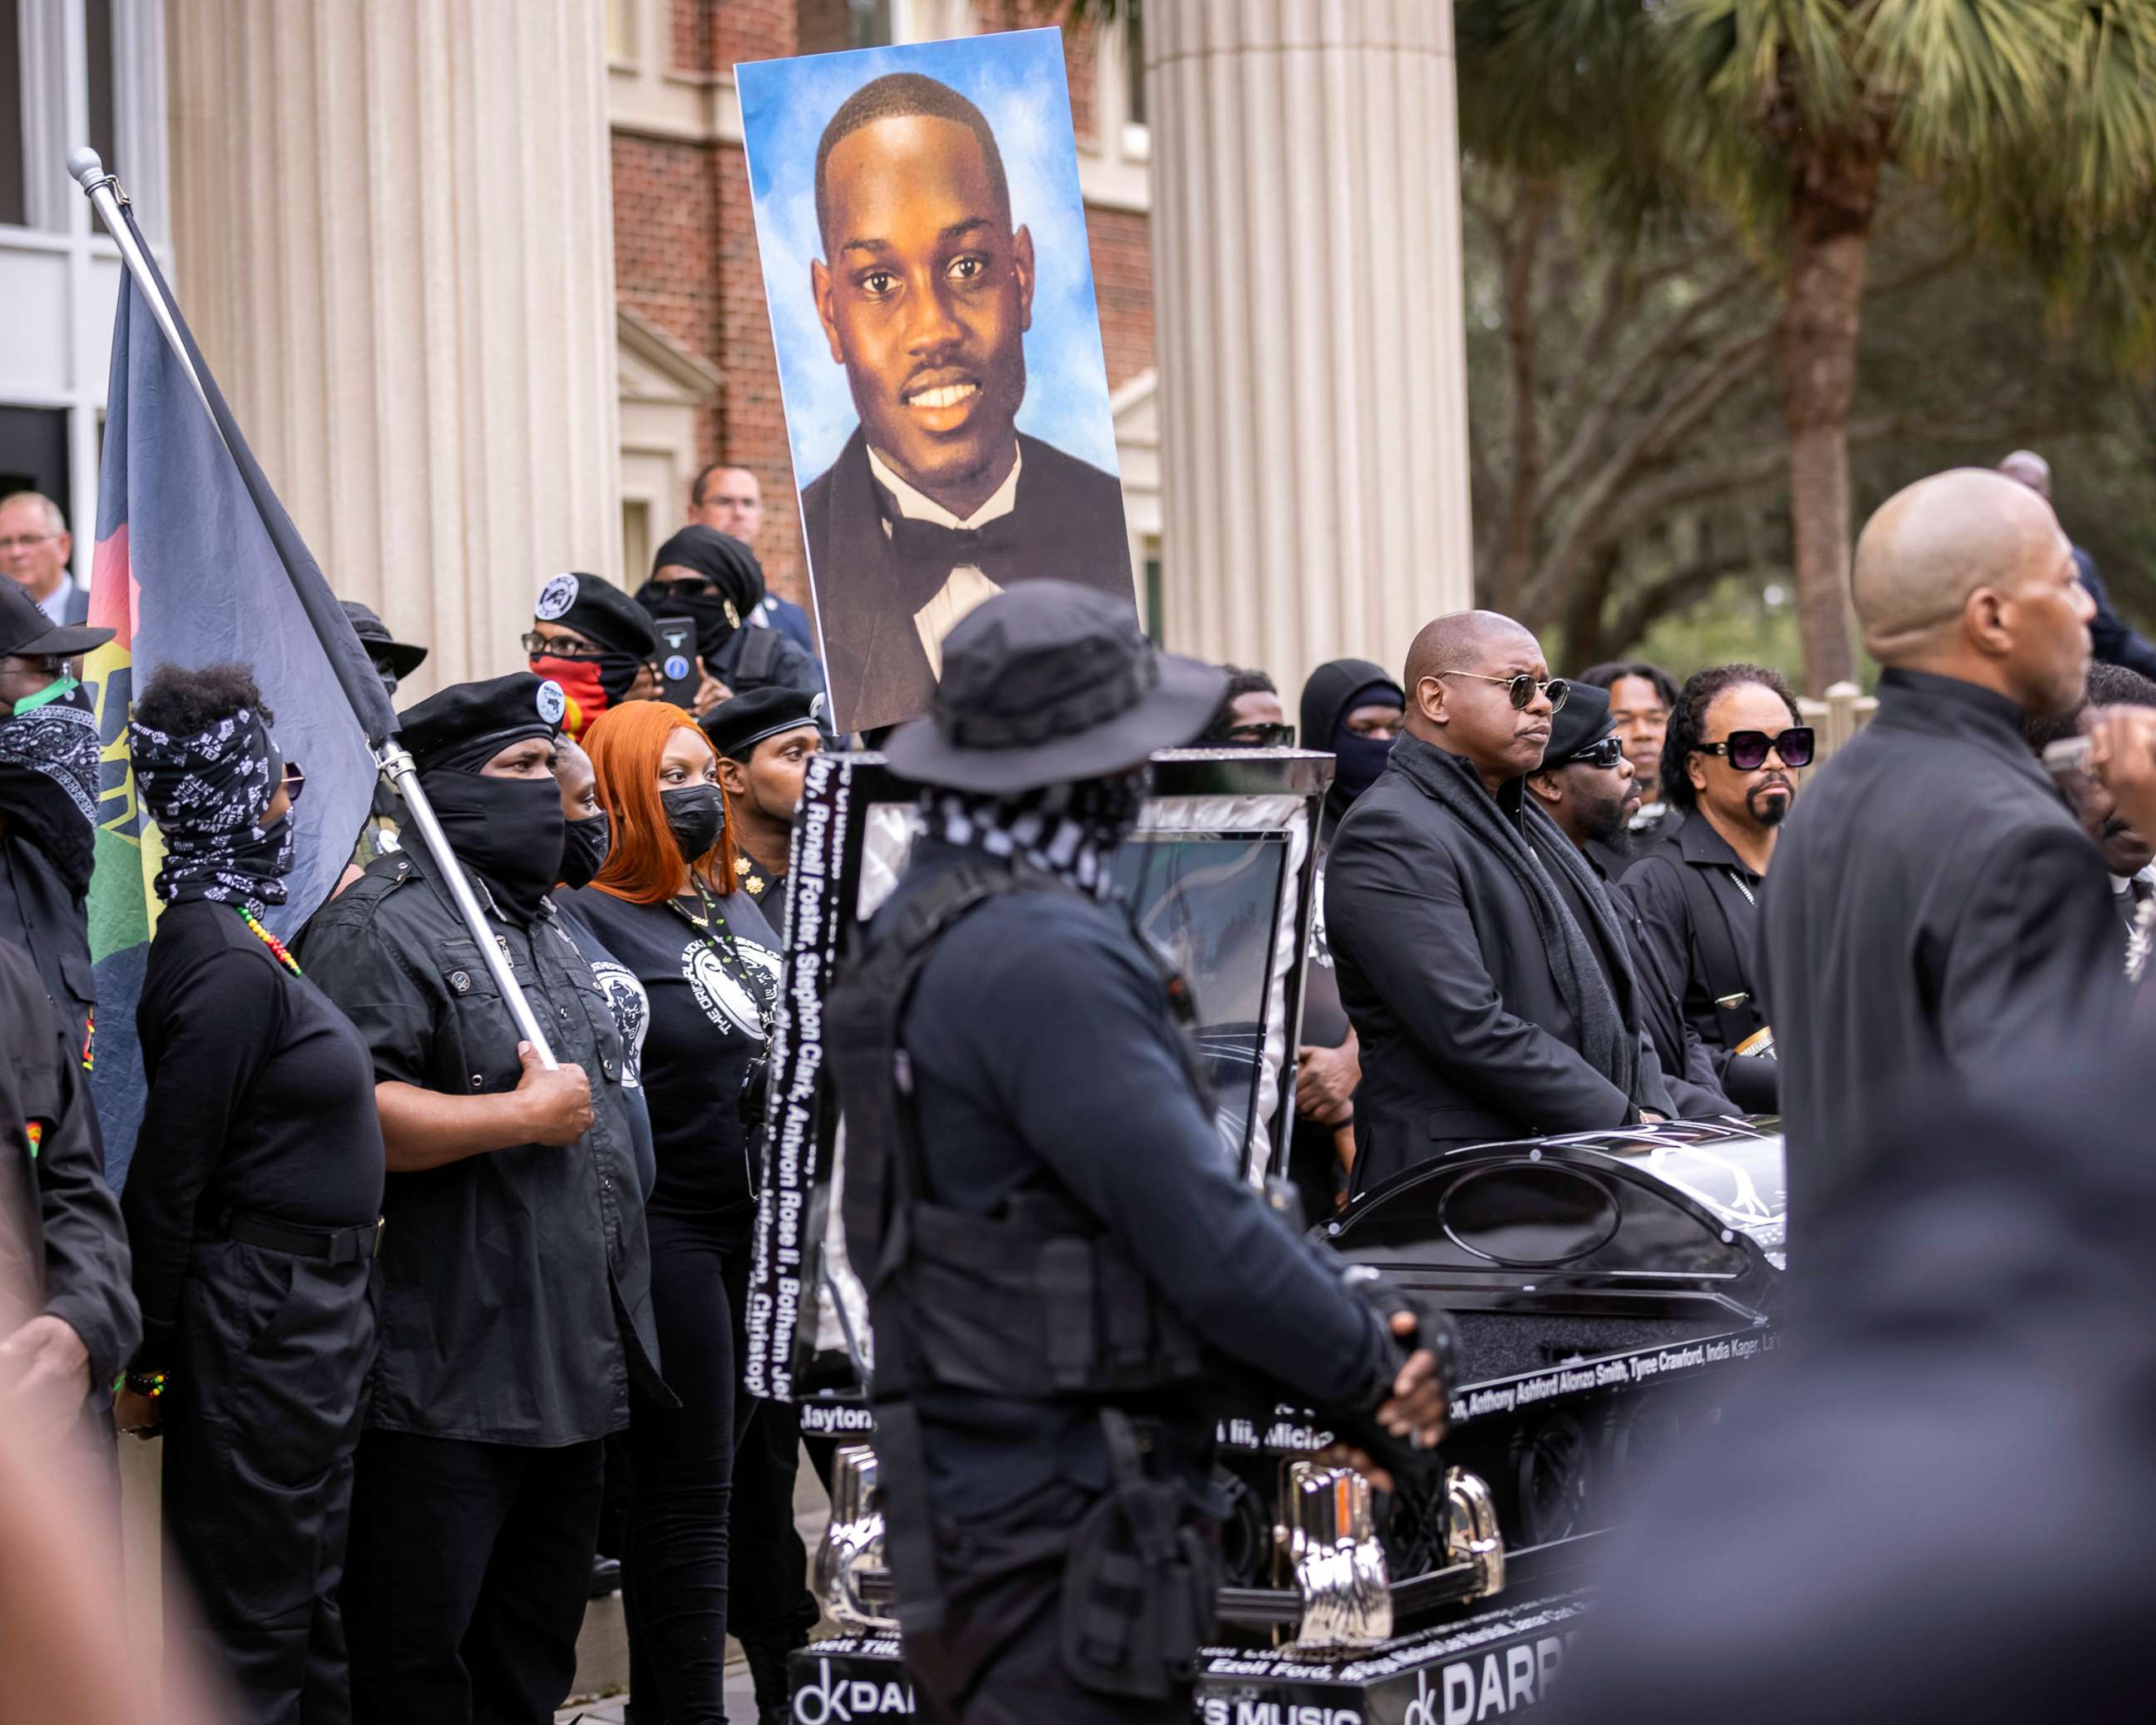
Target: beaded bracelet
[{"x": 151, "y": 1384}]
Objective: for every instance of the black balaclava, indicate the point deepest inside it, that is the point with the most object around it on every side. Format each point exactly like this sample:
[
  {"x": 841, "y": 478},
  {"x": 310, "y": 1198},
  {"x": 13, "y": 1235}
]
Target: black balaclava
[
  {"x": 1069, "y": 830},
  {"x": 49, "y": 750},
  {"x": 730, "y": 567},
  {"x": 1334, "y": 691},
  {"x": 207, "y": 793},
  {"x": 583, "y": 848},
  {"x": 507, "y": 831}
]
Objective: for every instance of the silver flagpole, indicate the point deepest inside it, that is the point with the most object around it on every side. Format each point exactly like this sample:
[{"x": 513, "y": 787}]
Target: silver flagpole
[{"x": 107, "y": 197}]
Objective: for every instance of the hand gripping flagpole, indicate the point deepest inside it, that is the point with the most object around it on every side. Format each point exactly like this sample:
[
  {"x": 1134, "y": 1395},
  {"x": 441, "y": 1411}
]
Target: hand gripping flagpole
[{"x": 110, "y": 202}]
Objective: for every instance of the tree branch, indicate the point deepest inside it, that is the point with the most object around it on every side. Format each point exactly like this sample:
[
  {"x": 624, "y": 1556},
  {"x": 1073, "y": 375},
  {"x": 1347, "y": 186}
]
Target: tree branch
[{"x": 1677, "y": 332}]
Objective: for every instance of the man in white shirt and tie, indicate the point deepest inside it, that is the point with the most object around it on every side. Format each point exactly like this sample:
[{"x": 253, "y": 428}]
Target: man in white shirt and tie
[
  {"x": 35, "y": 546},
  {"x": 937, "y": 502}
]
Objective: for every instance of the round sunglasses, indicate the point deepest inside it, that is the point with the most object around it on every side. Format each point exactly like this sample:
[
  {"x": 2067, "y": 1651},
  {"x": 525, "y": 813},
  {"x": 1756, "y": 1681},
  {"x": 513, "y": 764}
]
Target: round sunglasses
[
  {"x": 1747, "y": 750},
  {"x": 1523, "y": 688}
]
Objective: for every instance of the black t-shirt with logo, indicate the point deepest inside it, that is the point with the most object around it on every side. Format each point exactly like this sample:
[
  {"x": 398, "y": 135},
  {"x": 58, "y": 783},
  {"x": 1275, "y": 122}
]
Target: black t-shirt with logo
[{"x": 711, "y": 994}]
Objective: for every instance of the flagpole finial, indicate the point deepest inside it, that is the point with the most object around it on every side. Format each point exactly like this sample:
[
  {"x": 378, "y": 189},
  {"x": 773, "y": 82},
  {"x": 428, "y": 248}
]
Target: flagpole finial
[{"x": 85, "y": 166}]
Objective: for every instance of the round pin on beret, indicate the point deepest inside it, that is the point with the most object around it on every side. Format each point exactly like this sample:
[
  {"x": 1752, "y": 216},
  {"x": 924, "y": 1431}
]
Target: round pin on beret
[
  {"x": 551, "y": 702},
  {"x": 556, "y": 597}
]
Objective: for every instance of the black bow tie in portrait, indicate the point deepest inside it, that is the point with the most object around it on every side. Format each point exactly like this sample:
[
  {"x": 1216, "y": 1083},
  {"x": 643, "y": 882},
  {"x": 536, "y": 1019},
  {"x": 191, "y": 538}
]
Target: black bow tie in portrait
[{"x": 948, "y": 548}]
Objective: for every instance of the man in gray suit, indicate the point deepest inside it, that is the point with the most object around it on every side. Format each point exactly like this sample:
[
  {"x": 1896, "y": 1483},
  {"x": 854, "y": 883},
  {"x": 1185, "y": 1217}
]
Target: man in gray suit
[{"x": 35, "y": 545}]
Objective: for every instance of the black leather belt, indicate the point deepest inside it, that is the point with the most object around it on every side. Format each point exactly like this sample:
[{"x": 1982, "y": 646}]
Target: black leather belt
[{"x": 338, "y": 1245}]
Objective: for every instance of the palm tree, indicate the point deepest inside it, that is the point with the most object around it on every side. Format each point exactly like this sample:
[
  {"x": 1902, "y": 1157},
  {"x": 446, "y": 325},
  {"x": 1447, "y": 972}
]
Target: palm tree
[{"x": 2033, "y": 120}]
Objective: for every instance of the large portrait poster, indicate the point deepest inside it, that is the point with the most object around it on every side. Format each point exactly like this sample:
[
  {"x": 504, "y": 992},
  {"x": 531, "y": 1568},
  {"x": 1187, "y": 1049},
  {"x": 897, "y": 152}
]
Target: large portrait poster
[{"x": 923, "y": 242}]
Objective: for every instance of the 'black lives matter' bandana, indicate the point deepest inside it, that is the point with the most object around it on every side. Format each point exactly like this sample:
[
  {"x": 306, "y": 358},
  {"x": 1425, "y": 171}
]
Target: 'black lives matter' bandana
[{"x": 207, "y": 792}]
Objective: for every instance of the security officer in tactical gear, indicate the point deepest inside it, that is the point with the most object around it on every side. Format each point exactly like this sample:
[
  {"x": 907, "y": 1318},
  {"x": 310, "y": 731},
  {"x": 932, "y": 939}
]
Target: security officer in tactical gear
[{"x": 1054, "y": 1239}]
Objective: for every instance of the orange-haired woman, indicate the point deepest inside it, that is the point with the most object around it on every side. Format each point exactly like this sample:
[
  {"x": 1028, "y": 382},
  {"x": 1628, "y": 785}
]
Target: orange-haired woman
[{"x": 664, "y": 904}]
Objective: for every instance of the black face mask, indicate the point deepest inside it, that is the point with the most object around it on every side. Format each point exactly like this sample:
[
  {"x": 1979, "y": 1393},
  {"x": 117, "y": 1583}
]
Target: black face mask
[
  {"x": 695, "y": 814},
  {"x": 707, "y": 611},
  {"x": 507, "y": 831},
  {"x": 583, "y": 849},
  {"x": 1358, "y": 759}
]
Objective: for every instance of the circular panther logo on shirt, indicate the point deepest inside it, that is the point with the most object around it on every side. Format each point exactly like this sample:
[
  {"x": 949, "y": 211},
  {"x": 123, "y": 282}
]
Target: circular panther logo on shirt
[
  {"x": 556, "y": 597},
  {"x": 551, "y": 702},
  {"x": 741, "y": 1002}
]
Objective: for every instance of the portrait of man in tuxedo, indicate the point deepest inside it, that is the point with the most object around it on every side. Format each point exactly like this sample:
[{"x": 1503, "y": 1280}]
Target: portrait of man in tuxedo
[{"x": 937, "y": 502}]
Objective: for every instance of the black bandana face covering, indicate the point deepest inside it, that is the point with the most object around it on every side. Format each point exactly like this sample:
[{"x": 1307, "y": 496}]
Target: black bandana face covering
[
  {"x": 208, "y": 794},
  {"x": 509, "y": 832},
  {"x": 1068, "y": 830},
  {"x": 49, "y": 759}
]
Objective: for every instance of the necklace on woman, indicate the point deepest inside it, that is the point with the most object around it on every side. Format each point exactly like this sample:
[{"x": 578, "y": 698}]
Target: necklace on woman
[
  {"x": 275, "y": 946},
  {"x": 718, "y": 937}
]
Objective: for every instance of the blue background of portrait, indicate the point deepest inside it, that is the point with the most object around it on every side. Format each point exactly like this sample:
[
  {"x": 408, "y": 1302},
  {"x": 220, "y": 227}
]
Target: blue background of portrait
[{"x": 1017, "y": 80}]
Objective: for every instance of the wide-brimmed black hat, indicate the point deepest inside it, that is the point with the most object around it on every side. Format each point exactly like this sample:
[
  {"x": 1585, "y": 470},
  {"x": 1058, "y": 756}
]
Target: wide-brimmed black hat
[
  {"x": 1579, "y": 724},
  {"x": 26, "y": 631},
  {"x": 1051, "y": 682},
  {"x": 404, "y": 657}
]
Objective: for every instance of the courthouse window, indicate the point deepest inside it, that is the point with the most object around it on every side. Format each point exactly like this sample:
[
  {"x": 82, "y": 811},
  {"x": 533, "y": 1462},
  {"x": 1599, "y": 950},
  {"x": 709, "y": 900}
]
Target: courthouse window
[{"x": 14, "y": 205}]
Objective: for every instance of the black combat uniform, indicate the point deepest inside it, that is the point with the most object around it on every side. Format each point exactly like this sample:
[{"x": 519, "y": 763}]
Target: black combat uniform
[
  {"x": 1045, "y": 1272},
  {"x": 48, "y": 785},
  {"x": 514, "y": 1296}
]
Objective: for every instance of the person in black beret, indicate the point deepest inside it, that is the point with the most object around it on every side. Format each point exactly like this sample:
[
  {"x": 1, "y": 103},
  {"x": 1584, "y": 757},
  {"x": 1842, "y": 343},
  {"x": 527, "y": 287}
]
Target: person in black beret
[
  {"x": 596, "y": 642},
  {"x": 1587, "y": 785},
  {"x": 714, "y": 581},
  {"x": 394, "y": 661},
  {"x": 765, "y": 740},
  {"x": 515, "y": 1274}
]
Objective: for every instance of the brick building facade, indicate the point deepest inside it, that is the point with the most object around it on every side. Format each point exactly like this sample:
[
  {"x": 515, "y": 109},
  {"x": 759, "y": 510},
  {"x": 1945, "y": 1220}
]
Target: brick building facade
[{"x": 697, "y": 346}]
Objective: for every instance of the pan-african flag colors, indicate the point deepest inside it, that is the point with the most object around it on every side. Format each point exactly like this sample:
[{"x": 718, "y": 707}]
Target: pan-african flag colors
[{"x": 197, "y": 562}]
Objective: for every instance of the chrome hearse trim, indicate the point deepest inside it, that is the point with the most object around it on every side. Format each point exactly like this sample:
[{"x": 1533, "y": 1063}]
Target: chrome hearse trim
[
  {"x": 1341, "y": 1577},
  {"x": 1471, "y": 1538},
  {"x": 850, "y": 1561}
]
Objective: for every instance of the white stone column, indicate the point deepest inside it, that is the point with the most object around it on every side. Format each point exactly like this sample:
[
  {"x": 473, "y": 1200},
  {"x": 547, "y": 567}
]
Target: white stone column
[
  {"x": 1308, "y": 308},
  {"x": 393, "y": 234}
]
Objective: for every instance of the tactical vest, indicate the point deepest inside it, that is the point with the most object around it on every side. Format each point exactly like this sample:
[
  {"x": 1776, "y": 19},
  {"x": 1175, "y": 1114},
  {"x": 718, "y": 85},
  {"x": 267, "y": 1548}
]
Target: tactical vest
[{"x": 1034, "y": 1301}]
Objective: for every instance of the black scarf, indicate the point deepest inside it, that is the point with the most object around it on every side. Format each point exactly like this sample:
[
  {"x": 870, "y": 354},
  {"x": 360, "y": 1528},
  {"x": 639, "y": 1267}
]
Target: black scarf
[
  {"x": 1531, "y": 844},
  {"x": 1067, "y": 831},
  {"x": 208, "y": 793},
  {"x": 728, "y": 564},
  {"x": 48, "y": 772}
]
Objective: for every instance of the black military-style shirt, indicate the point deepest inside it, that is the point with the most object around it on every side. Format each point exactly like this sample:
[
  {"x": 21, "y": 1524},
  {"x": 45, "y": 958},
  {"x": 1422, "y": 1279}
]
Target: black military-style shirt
[{"x": 514, "y": 1295}]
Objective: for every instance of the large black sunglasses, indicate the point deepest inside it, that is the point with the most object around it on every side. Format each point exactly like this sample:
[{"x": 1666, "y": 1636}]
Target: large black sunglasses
[
  {"x": 1522, "y": 688},
  {"x": 1746, "y": 750},
  {"x": 1604, "y": 755}
]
